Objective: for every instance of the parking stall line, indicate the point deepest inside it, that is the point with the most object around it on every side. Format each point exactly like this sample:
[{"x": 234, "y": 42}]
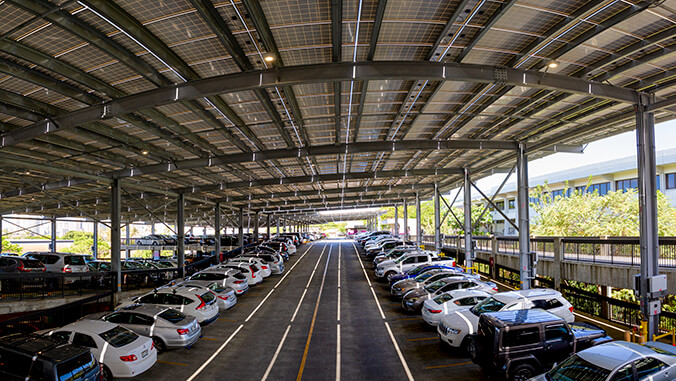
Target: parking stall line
[
  {"x": 387, "y": 325},
  {"x": 232, "y": 336},
  {"x": 274, "y": 357},
  {"x": 338, "y": 318},
  {"x": 314, "y": 319},
  {"x": 300, "y": 302}
]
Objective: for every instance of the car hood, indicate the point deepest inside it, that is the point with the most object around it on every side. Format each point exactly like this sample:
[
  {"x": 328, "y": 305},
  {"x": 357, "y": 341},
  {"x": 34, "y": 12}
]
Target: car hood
[
  {"x": 417, "y": 293},
  {"x": 386, "y": 263},
  {"x": 407, "y": 283},
  {"x": 464, "y": 320}
]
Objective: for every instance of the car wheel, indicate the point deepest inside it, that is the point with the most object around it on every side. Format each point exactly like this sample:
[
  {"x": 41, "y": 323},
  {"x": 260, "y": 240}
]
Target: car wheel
[
  {"x": 466, "y": 345},
  {"x": 471, "y": 348},
  {"x": 523, "y": 372},
  {"x": 389, "y": 276},
  {"x": 107, "y": 374},
  {"x": 139, "y": 243},
  {"x": 159, "y": 344},
  {"x": 155, "y": 243}
]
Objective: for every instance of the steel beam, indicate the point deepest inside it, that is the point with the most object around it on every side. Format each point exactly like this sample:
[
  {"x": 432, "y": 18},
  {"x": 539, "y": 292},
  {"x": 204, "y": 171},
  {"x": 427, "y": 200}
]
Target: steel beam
[
  {"x": 180, "y": 234},
  {"x": 647, "y": 196},
  {"x": 288, "y": 76},
  {"x": 115, "y": 236},
  {"x": 527, "y": 260},
  {"x": 467, "y": 201}
]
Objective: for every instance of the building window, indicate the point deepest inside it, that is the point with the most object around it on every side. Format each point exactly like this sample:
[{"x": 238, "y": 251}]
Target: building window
[
  {"x": 671, "y": 180},
  {"x": 633, "y": 183},
  {"x": 511, "y": 204},
  {"x": 500, "y": 205},
  {"x": 602, "y": 189},
  {"x": 560, "y": 192}
]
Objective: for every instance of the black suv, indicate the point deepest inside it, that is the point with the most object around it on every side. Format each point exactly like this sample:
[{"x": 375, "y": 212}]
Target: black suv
[
  {"x": 35, "y": 357},
  {"x": 518, "y": 345}
]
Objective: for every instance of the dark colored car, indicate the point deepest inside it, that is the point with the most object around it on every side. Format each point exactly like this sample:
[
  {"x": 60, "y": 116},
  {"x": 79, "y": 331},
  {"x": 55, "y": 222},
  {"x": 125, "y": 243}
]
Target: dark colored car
[
  {"x": 36, "y": 357},
  {"x": 520, "y": 344},
  {"x": 12, "y": 264}
]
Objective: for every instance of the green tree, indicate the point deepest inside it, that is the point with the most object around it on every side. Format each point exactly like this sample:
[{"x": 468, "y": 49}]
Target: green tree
[
  {"x": 589, "y": 214},
  {"x": 8, "y": 247},
  {"x": 83, "y": 242}
]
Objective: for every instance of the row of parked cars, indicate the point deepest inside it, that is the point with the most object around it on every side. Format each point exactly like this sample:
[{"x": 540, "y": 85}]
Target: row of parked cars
[
  {"x": 126, "y": 341},
  {"x": 514, "y": 335}
]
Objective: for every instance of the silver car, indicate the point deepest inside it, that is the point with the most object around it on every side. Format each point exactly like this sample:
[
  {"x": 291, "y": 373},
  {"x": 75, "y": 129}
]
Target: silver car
[
  {"x": 274, "y": 260},
  {"x": 225, "y": 296},
  {"x": 403, "y": 286},
  {"x": 413, "y": 300},
  {"x": 230, "y": 278},
  {"x": 167, "y": 327},
  {"x": 265, "y": 269},
  {"x": 618, "y": 360}
]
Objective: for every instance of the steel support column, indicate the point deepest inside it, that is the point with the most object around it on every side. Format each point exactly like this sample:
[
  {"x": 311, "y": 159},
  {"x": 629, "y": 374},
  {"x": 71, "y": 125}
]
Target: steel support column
[
  {"x": 115, "y": 233},
  {"x": 527, "y": 260},
  {"x": 396, "y": 220},
  {"x": 647, "y": 196},
  {"x": 256, "y": 227},
  {"x": 240, "y": 232},
  {"x": 268, "y": 225},
  {"x": 217, "y": 231},
  {"x": 405, "y": 221},
  {"x": 95, "y": 236},
  {"x": 1, "y": 248},
  {"x": 52, "y": 239},
  {"x": 180, "y": 234},
  {"x": 418, "y": 227},
  {"x": 278, "y": 231},
  {"x": 126, "y": 241},
  {"x": 437, "y": 218},
  {"x": 467, "y": 201}
]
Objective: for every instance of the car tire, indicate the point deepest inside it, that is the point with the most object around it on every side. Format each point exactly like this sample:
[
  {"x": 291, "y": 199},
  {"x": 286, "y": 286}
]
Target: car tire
[
  {"x": 522, "y": 372},
  {"x": 466, "y": 345},
  {"x": 155, "y": 243},
  {"x": 107, "y": 374},
  {"x": 389, "y": 276},
  {"x": 471, "y": 348},
  {"x": 159, "y": 344},
  {"x": 139, "y": 243}
]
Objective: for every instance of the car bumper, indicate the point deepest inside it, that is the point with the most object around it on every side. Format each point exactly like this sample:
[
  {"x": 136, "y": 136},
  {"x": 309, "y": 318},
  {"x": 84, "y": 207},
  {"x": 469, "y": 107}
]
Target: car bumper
[
  {"x": 226, "y": 304},
  {"x": 241, "y": 290},
  {"x": 183, "y": 341},
  {"x": 380, "y": 273},
  {"x": 210, "y": 319},
  {"x": 127, "y": 370},
  {"x": 430, "y": 318},
  {"x": 398, "y": 292},
  {"x": 278, "y": 269},
  {"x": 451, "y": 339},
  {"x": 408, "y": 305}
]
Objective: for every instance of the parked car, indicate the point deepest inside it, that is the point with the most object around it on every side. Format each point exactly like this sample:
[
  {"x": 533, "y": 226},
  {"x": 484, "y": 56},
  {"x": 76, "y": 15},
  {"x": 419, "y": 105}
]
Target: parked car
[
  {"x": 252, "y": 272},
  {"x": 403, "y": 286},
  {"x": 388, "y": 269},
  {"x": 225, "y": 296},
  {"x": 64, "y": 263},
  {"x": 419, "y": 270},
  {"x": 122, "y": 352},
  {"x": 265, "y": 270},
  {"x": 167, "y": 327},
  {"x": 414, "y": 299},
  {"x": 273, "y": 260},
  {"x": 519, "y": 344},
  {"x": 13, "y": 264},
  {"x": 36, "y": 357},
  {"x": 394, "y": 254},
  {"x": 231, "y": 278},
  {"x": 618, "y": 360},
  {"x": 449, "y": 302},
  {"x": 151, "y": 240},
  {"x": 264, "y": 248},
  {"x": 191, "y": 300},
  {"x": 455, "y": 328}
]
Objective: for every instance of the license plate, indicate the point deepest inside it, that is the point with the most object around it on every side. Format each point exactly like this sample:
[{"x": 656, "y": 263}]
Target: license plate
[{"x": 144, "y": 353}]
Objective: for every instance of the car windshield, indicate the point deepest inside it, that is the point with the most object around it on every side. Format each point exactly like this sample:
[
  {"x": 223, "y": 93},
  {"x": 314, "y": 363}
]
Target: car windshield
[
  {"x": 118, "y": 336},
  {"x": 432, "y": 287},
  {"x": 443, "y": 298},
  {"x": 487, "y": 305},
  {"x": 75, "y": 368},
  {"x": 172, "y": 315},
  {"x": 423, "y": 277},
  {"x": 576, "y": 369}
]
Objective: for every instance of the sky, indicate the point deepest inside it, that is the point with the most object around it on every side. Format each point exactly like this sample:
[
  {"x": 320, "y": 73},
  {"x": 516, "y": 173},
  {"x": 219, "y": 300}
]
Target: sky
[{"x": 615, "y": 147}]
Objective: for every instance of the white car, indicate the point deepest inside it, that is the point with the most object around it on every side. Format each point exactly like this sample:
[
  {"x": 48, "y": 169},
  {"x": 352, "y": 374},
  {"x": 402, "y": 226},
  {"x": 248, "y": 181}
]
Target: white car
[
  {"x": 266, "y": 271},
  {"x": 252, "y": 272},
  {"x": 449, "y": 302},
  {"x": 122, "y": 352},
  {"x": 454, "y": 328},
  {"x": 225, "y": 277},
  {"x": 194, "y": 301},
  {"x": 225, "y": 296}
]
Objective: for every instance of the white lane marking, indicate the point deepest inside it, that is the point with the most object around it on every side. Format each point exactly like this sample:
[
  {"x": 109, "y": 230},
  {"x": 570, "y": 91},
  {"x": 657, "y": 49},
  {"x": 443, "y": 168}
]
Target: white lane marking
[
  {"x": 274, "y": 358},
  {"x": 338, "y": 352},
  {"x": 220, "y": 349},
  {"x": 387, "y": 325},
  {"x": 293, "y": 318},
  {"x": 338, "y": 304},
  {"x": 213, "y": 356}
]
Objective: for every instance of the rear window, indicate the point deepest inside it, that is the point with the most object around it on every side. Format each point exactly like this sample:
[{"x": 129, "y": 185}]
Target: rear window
[
  {"x": 32, "y": 263},
  {"x": 208, "y": 276},
  {"x": 254, "y": 268},
  {"x": 215, "y": 287},
  {"x": 207, "y": 297},
  {"x": 76, "y": 368},
  {"x": 239, "y": 276},
  {"x": 172, "y": 315},
  {"x": 74, "y": 260},
  {"x": 118, "y": 336}
]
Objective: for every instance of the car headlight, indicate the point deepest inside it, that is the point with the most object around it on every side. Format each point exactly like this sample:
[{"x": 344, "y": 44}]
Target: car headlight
[{"x": 453, "y": 330}]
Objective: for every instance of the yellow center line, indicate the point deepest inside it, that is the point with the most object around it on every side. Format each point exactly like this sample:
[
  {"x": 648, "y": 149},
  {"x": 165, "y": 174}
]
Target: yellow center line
[
  {"x": 223, "y": 319},
  {"x": 210, "y": 338},
  {"x": 172, "y": 363},
  {"x": 423, "y": 338},
  {"x": 448, "y": 365}
]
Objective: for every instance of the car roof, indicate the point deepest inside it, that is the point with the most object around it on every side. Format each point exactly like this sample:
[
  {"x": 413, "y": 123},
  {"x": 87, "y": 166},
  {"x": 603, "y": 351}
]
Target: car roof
[
  {"x": 45, "y": 346},
  {"x": 463, "y": 293},
  {"x": 520, "y": 317},
  {"x": 146, "y": 309},
  {"x": 91, "y": 326},
  {"x": 510, "y": 296},
  {"x": 611, "y": 355}
]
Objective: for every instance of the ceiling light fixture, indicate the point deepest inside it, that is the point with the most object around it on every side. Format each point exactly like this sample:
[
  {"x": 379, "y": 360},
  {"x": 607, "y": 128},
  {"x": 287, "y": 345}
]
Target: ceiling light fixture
[
  {"x": 144, "y": 152},
  {"x": 269, "y": 58},
  {"x": 553, "y": 64}
]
